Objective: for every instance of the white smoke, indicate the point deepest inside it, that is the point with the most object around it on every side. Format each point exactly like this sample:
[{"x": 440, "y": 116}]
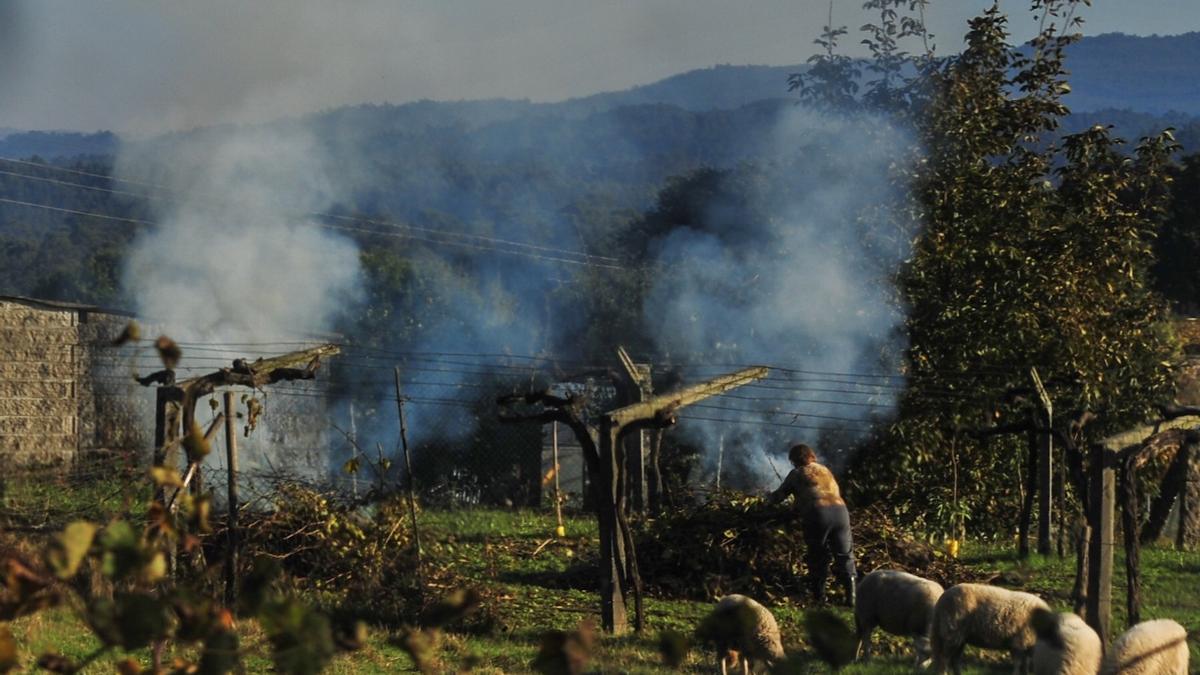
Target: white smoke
[
  {"x": 236, "y": 255},
  {"x": 238, "y": 267},
  {"x": 798, "y": 273}
]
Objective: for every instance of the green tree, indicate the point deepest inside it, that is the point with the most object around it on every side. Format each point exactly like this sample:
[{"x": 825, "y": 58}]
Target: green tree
[
  {"x": 1178, "y": 244},
  {"x": 1034, "y": 253}
]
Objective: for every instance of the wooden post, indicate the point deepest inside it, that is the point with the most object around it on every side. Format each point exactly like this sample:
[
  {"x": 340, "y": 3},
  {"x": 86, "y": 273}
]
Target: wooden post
[
  {"x": 601, "y": 442},
  {"x": 654, "y": 482},
  {"x": 1100, "y": 555},
  {"x": 1172, "y": 485},
  {"x": 1129, "y": 525},
  {"x": 1062, "y": 504},
  {"x": 1045, "y": 466},
  {"x": 167, "y": 409},
  {"x": 1080, "y": 589},
  {"x": 613, "y": 616},
  {"x": 412, "y": 500},
  {"x": 353, "y": 451},
  {"x": 720, "y": 457},
  {"x": 557, "y": 492},
  {"x": 1045, "y": 492},
  {"x": 1031, "y": 461},
  {"x": 635, "y": 466},
  {"x": 1189, "y": 503},
  {"x": 231, "y": 463},
  {"x": 636, "y": 445}
]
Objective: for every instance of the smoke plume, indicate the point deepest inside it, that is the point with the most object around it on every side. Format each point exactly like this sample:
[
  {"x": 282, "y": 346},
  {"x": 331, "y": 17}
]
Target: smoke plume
[
  {"x": 235, "y": 257},
  {"x": 236, "y": 266},
  {"x": 791, "y": 265}
]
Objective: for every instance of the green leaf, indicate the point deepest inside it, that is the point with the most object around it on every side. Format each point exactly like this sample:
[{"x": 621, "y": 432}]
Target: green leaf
[
  {"x": 69, "y": 548},
  {"x": 301, "y": 639},
  {"x": 122, "y": 550},
  {"x": 166, "y": 476},
  {"x": 196, "y": 444}
]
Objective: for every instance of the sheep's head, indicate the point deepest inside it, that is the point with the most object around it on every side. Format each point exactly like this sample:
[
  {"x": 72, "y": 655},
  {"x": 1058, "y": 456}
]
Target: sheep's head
[
  {"x": 1045, "y": 624},
  {"x": 729, "y": 629}
]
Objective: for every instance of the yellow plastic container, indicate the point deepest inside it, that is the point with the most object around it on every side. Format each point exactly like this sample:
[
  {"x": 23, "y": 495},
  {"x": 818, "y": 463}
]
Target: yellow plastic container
[{"x": 952, "y": 547}]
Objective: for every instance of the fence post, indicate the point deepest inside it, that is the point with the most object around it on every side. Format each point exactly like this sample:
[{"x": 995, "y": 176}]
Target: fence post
[
  {"x": 231, "y": 462},
  {"x": 1045, "y": 466},
  {"x": 412, "y": 501},
  {"x": 613, "y": 616},
  {"x": 1189, "y": 501},
  {"x": 1027, "y": 503},
  {"x": 557, "y": 493},
  {"x": 1100, "y": 555},
  {"x": 353, "y": 451}
]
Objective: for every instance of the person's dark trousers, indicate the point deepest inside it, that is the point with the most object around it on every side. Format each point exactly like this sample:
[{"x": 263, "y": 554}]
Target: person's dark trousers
[{"x": 827, "y": 537}]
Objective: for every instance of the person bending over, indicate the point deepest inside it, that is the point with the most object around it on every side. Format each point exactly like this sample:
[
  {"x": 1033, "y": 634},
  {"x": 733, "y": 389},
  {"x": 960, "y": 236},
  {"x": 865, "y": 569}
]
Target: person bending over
[{"x": 824, "y": 520}]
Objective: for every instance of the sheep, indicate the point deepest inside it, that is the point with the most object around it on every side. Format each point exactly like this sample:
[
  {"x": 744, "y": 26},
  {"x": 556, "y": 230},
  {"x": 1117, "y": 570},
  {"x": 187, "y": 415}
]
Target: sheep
[
  {"x": 1156, "y": 647},
  {"x": 744, "y": 630},
  {"x": 1066, "y": 645},
  {"x": 984, "y": 616},
  {"x": 899, "y": 603}
]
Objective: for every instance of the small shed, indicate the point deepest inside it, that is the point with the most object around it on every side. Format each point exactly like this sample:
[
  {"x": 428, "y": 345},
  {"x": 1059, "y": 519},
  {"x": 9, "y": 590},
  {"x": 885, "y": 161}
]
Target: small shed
[{"x": 63, "y": 395}]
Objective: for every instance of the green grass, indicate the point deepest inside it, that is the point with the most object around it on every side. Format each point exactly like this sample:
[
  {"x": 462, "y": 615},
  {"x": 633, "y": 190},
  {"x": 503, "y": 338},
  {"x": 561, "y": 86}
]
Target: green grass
[
  {"x": 54, "y": 501},
  {"x": 532, "y": 579}
]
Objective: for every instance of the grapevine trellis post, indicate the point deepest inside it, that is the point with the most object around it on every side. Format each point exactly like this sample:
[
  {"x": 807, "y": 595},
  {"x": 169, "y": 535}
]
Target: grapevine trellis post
[
  {"x": 603, "y": 452},
  {"x": 175, "y": 415},
  {"x": 635, "y": 444},
  {"x": 1045, "y": 464}
]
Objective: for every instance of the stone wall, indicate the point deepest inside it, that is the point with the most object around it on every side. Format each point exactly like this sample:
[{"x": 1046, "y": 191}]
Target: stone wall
[{"x": 63, "y": 393}]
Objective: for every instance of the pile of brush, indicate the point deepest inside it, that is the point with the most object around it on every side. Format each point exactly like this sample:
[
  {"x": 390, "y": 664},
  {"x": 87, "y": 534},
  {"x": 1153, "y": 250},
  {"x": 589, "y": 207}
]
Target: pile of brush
[{"x": 736, "y": 543}]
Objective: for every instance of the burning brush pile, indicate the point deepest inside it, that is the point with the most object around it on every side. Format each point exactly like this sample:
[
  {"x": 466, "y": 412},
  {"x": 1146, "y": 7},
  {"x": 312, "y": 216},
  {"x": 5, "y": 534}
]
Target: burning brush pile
[{"x": 735, "y": 543}]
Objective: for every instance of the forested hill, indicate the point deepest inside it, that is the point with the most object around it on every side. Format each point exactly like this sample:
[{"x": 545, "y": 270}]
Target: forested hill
[
  {"x": 50, "y": 144},
  {"x": 565, "y": 173},
  {"x": 1151, "y": 79},
  {"x": 1155, "y": 74}
]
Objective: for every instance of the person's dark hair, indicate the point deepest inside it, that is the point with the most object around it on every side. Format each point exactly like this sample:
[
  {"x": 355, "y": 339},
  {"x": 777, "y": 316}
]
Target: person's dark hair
[{"x": 801, "y": 454}]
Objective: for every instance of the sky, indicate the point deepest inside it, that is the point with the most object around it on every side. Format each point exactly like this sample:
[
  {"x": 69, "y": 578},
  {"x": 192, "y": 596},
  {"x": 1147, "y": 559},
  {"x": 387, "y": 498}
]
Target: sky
[{"x": 146, "y": 66}]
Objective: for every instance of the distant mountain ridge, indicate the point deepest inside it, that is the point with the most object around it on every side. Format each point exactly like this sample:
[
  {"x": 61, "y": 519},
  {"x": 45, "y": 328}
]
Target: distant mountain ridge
[
  {"x": 51, "y": 144},
  {"x": 1138, "y": 83}
]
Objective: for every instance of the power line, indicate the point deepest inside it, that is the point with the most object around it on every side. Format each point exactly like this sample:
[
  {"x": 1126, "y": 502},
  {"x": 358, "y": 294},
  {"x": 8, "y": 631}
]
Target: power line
[
  {"x": 764, "y": 423},
  {"x": 81, "y": 186},
  {"x": 398, "y": 235},
  {"x": 135, "y": 221},
  {"x": 401, "y": 230}
]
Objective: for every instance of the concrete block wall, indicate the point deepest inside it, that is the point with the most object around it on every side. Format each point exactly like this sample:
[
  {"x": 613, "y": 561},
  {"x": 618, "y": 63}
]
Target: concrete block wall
[
  {"x": 63, "y": 393},
  {"x": 39, "y": 406}
]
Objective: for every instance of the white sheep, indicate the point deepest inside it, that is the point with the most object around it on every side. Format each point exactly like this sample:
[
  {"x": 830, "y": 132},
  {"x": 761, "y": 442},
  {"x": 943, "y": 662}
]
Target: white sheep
[
  {"x": 899, "y": 603},
  {"x": 743, "y": 630},
  {"x": 1066, "y": 645},
  {"x": 983, "y": 616},
  {"x": 1156, "y": 647}
]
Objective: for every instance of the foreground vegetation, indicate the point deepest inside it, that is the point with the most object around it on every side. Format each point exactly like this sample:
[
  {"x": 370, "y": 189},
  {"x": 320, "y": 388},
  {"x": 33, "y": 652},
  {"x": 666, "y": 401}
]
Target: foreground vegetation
[{"x": 532, "y": 582}]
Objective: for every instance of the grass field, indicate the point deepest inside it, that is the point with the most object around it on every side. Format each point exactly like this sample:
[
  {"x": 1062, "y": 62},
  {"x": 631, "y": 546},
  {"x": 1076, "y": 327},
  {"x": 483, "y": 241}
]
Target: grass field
[{"x": 536, "y": 584}]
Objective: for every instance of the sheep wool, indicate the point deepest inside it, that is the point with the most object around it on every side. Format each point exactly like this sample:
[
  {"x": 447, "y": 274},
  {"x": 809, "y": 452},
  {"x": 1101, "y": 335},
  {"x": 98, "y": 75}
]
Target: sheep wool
[
  {"x": 901, "y": 604},
  {"x": 1156, "y": 647},
  {"x": 983, "y": 616},
  {"x": 1066, "y": 645},
  {"x": 740, "y": 625}
]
